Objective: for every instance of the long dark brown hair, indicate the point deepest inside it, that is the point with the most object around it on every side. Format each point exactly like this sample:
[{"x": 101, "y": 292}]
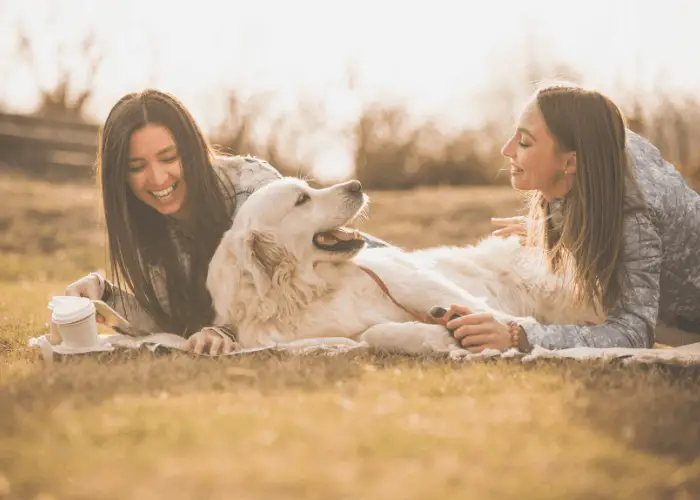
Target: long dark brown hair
[
  {"x": 139, "y": 239},
  {"x": 589, "y": 245}
]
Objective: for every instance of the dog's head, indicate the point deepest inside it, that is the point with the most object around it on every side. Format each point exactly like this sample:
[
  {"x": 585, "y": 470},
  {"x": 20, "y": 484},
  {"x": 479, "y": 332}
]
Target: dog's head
[
  {"x": 289, "y": 217},
  {"x": 284, "y": 230}
]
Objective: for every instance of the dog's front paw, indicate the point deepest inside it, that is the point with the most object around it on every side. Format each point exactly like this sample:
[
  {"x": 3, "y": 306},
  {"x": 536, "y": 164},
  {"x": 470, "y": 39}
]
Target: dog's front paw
[{"x": 409, "y": 338}]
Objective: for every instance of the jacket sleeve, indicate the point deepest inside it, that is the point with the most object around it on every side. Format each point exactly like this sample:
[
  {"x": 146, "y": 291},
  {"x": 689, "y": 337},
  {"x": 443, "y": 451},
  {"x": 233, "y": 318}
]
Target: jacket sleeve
[
  {"x": 247, "y": 173},
  {"x": 126, "y": 305},
  {"x": 632, "y": 324}
]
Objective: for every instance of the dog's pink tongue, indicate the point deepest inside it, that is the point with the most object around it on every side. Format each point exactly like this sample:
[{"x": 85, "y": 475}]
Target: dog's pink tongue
[
  {"x": 336, "y": 235},
  {"x": 326, "y": 238},
  {"x": 342, "y": 234}
]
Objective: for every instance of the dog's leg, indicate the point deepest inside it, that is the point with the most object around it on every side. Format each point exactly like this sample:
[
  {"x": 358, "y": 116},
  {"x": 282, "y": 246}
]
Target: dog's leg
[
  {"x": 409, "y": 338},
  {"x": 425, "y": 290}
]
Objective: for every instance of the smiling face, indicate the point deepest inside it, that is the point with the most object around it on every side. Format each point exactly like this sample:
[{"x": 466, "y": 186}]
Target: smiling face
[
  {"x": 155, "y": 170},
  {"x": 536, "y": 163}
]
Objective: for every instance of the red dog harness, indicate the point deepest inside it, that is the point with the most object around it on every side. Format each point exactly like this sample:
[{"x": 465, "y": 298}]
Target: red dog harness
[{"x": 417, "y": 316}]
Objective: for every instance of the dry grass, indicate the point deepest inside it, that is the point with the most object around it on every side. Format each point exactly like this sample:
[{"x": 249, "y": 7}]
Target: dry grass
[{"x": 268, "y": 426}]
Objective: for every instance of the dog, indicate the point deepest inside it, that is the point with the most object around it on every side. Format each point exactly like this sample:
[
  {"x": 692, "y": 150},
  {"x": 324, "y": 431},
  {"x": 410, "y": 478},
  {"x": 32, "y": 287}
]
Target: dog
[{"x": 291, "y": 268}]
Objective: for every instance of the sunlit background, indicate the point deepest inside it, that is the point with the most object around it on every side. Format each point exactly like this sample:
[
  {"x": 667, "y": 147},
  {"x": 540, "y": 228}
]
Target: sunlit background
[
  {"x": 321, "y": 63},
  {"x": 414, "y": 99}
]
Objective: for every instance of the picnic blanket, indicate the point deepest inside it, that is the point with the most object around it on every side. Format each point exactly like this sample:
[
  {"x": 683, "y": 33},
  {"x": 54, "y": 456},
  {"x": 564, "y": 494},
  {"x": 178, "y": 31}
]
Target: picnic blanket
[{"x": 685, "y": 355}]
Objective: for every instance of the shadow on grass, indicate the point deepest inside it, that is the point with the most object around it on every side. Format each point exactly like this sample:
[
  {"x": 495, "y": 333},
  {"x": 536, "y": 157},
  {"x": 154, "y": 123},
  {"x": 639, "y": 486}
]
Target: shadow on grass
[
  {"x": 653, "y": 408},
  {"x": 88, "y": 381}
]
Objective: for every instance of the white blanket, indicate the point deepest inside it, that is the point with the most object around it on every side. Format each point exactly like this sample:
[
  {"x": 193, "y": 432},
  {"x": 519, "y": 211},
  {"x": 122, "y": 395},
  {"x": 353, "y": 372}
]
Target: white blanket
[{"x": 684, "y": 355}]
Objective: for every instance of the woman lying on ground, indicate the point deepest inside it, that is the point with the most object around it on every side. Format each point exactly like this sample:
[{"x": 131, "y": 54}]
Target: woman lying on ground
[
  {"x": 607, "y": 209},
  {"x": 167, "y": 200}
]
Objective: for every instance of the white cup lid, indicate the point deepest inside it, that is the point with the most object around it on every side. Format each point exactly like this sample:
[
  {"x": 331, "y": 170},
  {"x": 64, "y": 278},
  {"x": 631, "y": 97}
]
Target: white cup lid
[{"x": 68, "y": 309}]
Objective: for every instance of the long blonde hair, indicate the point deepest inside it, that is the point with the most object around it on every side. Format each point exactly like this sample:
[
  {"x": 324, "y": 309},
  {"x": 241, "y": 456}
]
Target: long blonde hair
[{"x": 588, "y": 243}]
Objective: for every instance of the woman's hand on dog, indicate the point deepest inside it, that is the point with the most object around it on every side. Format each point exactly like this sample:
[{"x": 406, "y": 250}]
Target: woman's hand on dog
[
  {"x": 510, "y": 226},
  {"x": 210, "y": 341},
  {"x": 477, "y": 331}
]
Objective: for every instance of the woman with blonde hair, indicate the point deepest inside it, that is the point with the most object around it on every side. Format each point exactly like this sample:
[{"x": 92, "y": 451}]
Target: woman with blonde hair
[{"x": 608, "y": 211}]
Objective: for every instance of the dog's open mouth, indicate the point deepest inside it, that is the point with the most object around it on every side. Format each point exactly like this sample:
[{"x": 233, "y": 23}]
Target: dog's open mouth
[{"x": 341, "y": 239}]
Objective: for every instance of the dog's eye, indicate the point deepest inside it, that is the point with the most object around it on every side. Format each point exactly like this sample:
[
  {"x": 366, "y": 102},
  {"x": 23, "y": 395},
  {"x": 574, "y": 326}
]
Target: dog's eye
[{"x": 303, "y": 198}]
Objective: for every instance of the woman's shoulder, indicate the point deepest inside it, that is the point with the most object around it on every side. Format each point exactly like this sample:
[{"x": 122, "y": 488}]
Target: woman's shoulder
[
  {"x": 245, "y": 172},
  {"x": 660, "y": 182},
  {"x": 647, "y": 162}
]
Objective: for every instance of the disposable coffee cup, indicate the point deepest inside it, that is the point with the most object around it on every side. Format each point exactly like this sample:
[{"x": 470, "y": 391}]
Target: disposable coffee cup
[{"x": 75, "y": 320}]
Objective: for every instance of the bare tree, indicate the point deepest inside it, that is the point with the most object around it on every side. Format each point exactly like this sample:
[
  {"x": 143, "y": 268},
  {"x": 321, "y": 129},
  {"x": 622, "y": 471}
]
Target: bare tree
[
  {"x": 288, "y": 141},
  {"x": 4, "y": 61},
  {"x": 67, "y": 95}
]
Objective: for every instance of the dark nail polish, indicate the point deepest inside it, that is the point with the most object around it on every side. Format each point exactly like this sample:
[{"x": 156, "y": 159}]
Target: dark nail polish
[{"x": 437, "y": 311}]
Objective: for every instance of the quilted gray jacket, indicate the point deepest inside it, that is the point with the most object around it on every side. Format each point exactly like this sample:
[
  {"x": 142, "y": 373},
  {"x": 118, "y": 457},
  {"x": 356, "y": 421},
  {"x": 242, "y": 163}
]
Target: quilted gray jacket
[{"x": 662, "y": 255}]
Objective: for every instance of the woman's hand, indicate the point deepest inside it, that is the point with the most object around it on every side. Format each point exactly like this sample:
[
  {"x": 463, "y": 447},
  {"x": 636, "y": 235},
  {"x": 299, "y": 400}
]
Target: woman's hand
[
  {"x": 478, "y": 331},
  {"x": 510, "y": 226},
  {"x": 89, "y": 286},
  {"x": 210, "y": 339}
]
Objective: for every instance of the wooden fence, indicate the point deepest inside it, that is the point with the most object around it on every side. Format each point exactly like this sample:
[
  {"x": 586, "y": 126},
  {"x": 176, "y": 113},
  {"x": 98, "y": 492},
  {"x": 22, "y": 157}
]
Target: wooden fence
[{"x": 48, "y": 148}]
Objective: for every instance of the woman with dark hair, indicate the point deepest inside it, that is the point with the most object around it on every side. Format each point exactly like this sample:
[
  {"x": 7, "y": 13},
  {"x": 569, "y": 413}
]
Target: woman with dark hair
[
  {"x": 167, "y": 202},
  {"x": 607, "y": 211}
]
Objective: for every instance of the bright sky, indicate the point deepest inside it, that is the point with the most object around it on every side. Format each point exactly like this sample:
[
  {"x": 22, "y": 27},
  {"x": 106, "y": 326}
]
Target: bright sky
[{"x": 438, "y": 56}]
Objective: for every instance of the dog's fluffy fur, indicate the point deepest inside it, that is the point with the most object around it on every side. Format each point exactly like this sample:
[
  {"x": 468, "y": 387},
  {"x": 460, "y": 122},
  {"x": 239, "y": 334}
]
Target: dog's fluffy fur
[{"x": 271, "y": 279}]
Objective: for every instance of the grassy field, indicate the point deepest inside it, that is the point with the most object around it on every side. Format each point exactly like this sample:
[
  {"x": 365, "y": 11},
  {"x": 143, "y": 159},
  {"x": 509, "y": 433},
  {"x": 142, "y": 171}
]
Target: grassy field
[{"x": 267, "y": 426}]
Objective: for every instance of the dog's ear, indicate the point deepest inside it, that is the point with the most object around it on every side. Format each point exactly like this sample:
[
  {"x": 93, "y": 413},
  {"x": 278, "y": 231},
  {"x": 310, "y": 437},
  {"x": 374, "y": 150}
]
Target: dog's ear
[
  {"x": 264, "y": 252},
  {"x": 264, "y": 257},
  {"x": 276, "y": 277}
]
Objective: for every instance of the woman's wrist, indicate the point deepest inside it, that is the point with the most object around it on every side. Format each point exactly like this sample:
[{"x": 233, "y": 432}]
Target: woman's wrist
[
  {"x": 106, "y": 292},
  {"x": 224, "y": 331}
]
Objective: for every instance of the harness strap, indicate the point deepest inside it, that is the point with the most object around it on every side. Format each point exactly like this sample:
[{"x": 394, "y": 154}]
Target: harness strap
[{"x": 418, "y": 317}]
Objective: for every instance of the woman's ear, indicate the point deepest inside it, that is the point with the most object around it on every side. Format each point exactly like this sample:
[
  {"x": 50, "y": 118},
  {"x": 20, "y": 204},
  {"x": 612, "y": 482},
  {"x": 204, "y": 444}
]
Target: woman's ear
[{"x": 570, "y": 167}]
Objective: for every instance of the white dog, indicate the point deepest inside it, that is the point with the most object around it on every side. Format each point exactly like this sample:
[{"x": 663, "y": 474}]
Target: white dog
[{"x": 289, "y": 268}]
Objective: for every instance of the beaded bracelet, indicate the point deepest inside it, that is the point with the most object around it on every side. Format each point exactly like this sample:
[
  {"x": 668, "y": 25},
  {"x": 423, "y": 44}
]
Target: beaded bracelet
[{"x": 518, "y": 339}]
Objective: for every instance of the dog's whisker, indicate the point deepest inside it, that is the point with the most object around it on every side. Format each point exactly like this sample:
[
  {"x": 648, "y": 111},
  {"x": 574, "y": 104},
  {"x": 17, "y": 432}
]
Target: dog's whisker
[
  {"x": 306, "y": 178},
  {"x": 364, "y": 213}
]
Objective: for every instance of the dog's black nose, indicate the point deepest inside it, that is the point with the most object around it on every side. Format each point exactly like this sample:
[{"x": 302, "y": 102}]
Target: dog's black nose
[{"x": 353, "y": 186}]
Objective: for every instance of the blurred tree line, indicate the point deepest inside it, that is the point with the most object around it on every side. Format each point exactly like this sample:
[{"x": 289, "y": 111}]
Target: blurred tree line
[
  {"x": 391, "y": 150},
  {"x": 389, "y": 147}
]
